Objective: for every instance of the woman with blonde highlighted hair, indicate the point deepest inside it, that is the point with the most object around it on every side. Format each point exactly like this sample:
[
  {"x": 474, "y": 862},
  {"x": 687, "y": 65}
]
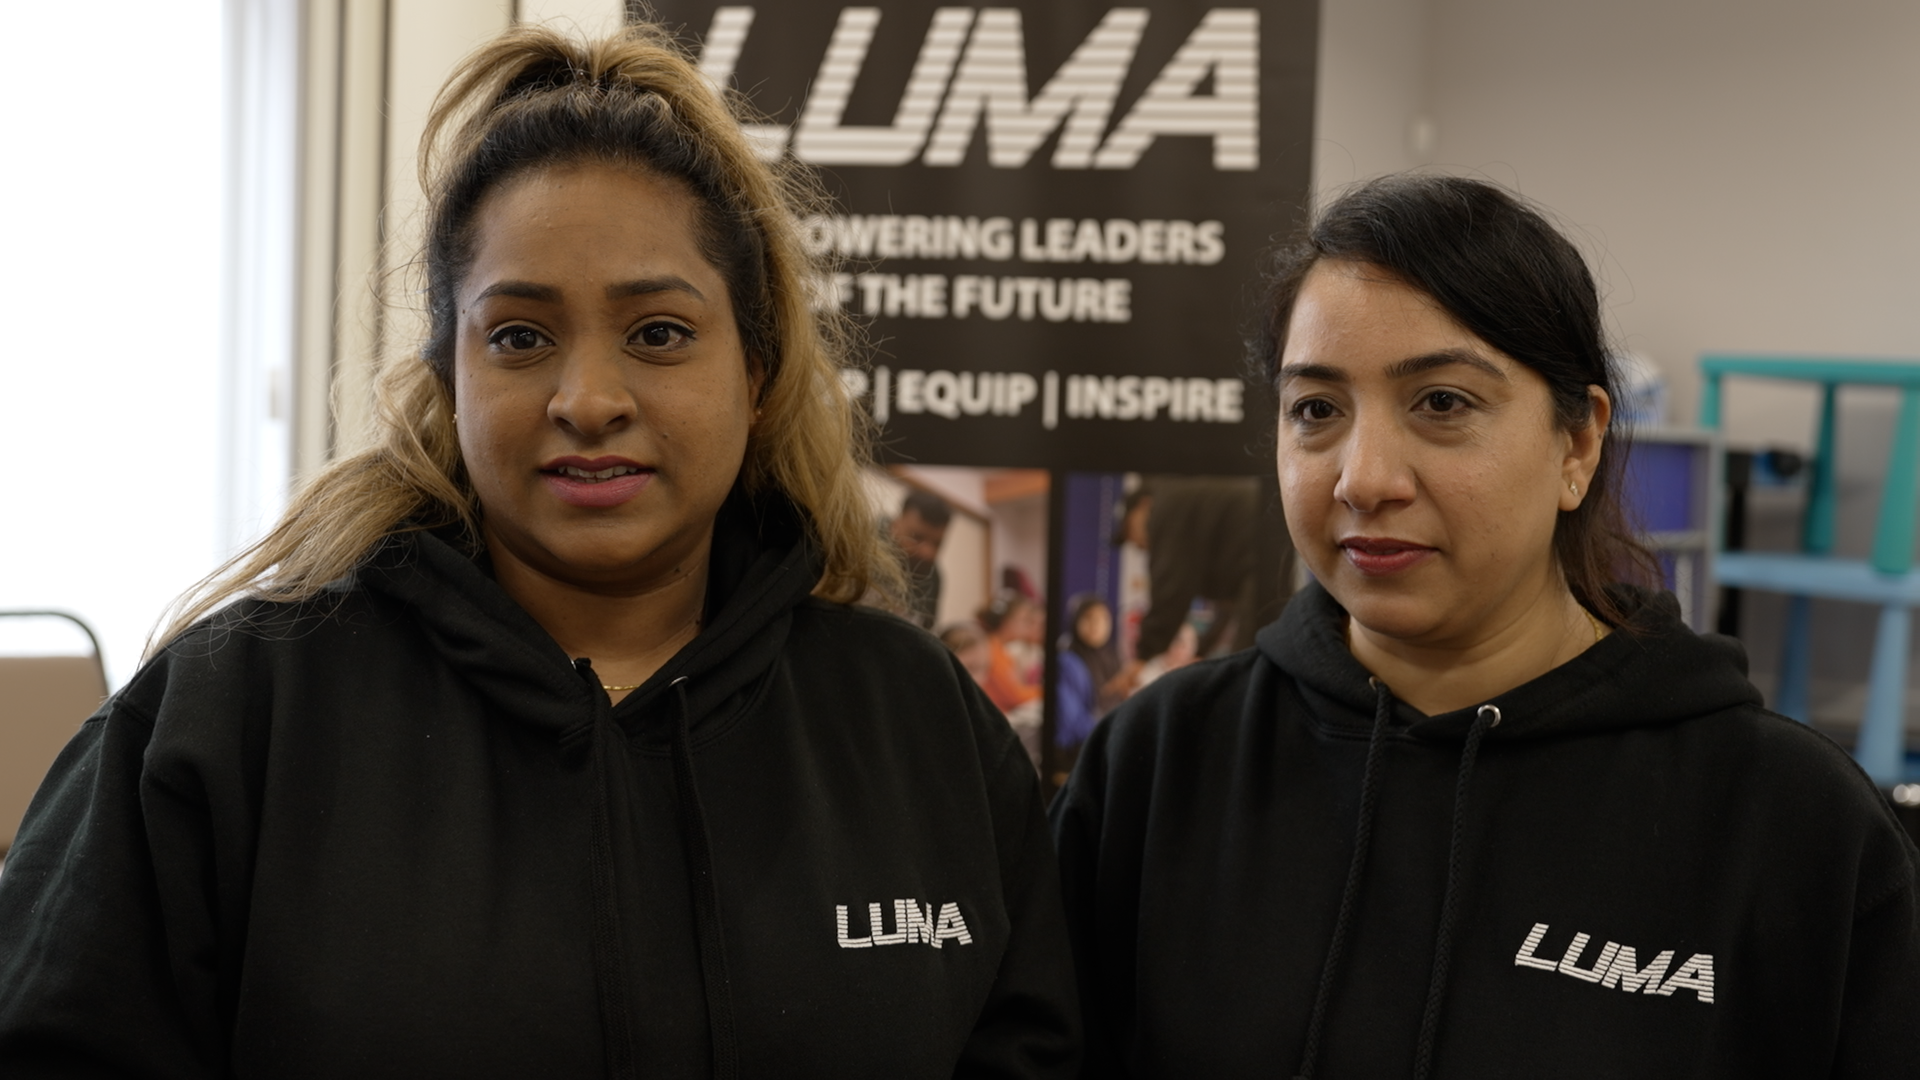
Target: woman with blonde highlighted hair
[{"x": 541, "y": 738}]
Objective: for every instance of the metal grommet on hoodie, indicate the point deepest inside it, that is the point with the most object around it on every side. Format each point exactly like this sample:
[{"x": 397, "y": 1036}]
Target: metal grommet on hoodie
[{"x": 1483, "y": 713}]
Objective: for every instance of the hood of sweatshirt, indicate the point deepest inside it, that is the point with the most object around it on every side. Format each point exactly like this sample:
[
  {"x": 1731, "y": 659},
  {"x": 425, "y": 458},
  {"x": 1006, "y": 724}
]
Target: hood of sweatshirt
[
  {"x": 1653, "y": 670},
  {"x": 762, "y": 566}
]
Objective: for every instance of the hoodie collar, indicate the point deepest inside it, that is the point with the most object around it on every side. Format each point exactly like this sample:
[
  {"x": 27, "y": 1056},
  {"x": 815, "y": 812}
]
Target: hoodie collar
[
  {"x": 763, "y": 565},
  {"x": 1651, "y": 671},
  {"x": 1654, "y": 670}
]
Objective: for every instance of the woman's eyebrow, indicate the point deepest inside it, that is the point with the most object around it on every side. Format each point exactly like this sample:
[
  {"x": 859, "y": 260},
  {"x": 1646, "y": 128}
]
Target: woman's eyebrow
[
  {"x": 645, "y": 286},
  {"x": 1399, "y": 369},
  {"x": 1416, "y": 365},
  {"x": 528, "y": 290},
  {"x": 524, "y": 290},
  {"x": 1320, "y": 372}
]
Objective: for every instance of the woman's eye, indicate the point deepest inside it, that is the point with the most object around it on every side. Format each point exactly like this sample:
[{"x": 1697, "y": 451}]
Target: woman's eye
[
  {"x": 517, "y": 339},
  {"x": 1445, "y": 401},
  {"x": 662, "y": 335},
  {"x": 1312, "y": 410}
]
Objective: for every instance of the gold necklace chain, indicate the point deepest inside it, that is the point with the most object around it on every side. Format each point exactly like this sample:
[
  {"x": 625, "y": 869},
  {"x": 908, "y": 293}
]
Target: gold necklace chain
[
  {"x": 1599, "y": 629},
  {"x": 698, "y": 620}
]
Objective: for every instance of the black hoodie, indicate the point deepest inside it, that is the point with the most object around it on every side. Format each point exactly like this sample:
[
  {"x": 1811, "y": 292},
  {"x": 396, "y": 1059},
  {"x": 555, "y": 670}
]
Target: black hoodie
[
  {"x": 395, "y": 831},
  {"x": 1624, "y": 868}
]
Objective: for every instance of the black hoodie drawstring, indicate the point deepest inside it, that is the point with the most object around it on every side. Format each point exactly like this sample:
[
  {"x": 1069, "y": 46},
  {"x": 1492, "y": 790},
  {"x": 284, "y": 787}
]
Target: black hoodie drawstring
[
  {"x": 609, "y": 958},
  {"x": 1485, "y": 720},
  {"x": 1356, "y": 870},
  {"x": 706, "y": 896}
]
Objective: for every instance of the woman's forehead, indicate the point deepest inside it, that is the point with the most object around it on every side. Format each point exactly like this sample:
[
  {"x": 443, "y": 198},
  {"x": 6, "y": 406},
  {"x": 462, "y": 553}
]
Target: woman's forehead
[
  {"x": 594, "y": 221},
  {"x": 1353, "y": 321}
]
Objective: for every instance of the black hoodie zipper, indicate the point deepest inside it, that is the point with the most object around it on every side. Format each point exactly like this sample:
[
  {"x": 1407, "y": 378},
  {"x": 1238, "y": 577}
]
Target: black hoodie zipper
[
  {"x": 698, "y": 844},
  {"x": 609, "y": 956},
  {"x": 609, "y": 953}
]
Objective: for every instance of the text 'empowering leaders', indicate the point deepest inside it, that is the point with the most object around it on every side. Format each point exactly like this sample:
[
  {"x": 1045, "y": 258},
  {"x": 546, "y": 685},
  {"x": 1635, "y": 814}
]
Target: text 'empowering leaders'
[{"x": 1046, "y": 215}]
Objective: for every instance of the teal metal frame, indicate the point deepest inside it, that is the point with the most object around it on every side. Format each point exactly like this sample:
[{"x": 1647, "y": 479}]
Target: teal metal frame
[{"x": 1886, "y": 578}]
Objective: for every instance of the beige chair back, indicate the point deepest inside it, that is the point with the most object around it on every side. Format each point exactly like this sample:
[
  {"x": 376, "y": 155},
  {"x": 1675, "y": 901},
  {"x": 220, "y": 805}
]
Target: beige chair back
[{"x": 43, "y": 701}]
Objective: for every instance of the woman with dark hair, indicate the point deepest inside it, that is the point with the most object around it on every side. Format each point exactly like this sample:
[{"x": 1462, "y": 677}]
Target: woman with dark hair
[
  {"x": 542, "y": 738},
  {"x": 1471, "y": 808},
  {"x": 1092, "y": 679}
]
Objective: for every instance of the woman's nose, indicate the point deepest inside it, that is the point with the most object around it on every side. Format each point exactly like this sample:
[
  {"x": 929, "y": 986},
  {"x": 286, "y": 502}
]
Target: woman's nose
[
  {"x": 592, "y": 396},
  {"x": 1376, "y": 467}
]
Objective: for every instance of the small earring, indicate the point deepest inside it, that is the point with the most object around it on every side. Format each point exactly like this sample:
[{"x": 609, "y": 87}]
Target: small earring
[
  {"x": 456, "y": 418},
  {"x": 1573, "y": 487}
]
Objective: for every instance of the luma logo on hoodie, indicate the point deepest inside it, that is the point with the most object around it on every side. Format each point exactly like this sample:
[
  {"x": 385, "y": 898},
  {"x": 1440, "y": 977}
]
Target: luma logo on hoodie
[
  {"x": 912, "y": 923},
  {"x": 1618, "y": 966},
  {"x": 972, "y": 72}
]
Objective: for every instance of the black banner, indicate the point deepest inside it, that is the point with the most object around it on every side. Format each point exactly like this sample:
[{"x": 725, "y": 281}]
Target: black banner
[{"x": 1050, "y": 213}]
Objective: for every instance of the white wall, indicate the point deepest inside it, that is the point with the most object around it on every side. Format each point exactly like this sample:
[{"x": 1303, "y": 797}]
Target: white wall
[
  {"x": 585, "y": 16},
  {"x": 1372, "y": 91},
  {"x": 1742, "y": 173}
]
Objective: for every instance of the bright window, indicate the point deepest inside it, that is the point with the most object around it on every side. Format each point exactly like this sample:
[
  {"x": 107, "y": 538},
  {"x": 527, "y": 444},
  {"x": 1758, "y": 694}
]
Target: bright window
[{"x": 110, "y": 385}]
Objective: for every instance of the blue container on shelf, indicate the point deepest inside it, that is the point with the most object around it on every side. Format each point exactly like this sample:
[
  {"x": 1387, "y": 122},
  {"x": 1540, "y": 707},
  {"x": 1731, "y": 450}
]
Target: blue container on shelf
[{"x": 1672, "y": 477}]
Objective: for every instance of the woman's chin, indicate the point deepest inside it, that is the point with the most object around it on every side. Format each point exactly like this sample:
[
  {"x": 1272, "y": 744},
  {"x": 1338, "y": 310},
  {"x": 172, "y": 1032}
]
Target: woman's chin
[
  {"x": 608, "y": 561},
  {"x": 619, "y": 571},
  {"x": 1408, "y": 618}
]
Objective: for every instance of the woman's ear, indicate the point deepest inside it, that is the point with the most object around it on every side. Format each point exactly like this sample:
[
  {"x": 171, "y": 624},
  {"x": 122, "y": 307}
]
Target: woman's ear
[
  {"x": 1584, "y": 445},
  {"x": 756, "y": 384}
]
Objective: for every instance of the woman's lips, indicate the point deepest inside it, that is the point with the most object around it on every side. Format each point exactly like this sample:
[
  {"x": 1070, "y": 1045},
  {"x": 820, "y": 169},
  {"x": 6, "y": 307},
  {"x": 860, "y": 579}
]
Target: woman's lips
[
  {"x": 599, "y": 483},
  {"x": 1379, "y": 557}
]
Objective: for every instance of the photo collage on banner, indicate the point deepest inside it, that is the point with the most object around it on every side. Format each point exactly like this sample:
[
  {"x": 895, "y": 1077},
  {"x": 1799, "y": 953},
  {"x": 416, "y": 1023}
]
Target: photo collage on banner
[{"x": 1048, "y": 217}]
